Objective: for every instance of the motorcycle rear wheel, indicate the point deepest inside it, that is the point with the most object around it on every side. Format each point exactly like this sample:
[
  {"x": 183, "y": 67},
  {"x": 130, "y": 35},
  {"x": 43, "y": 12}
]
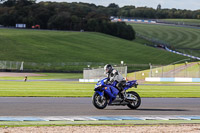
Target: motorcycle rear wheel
[{"x": 135, "y": 103}]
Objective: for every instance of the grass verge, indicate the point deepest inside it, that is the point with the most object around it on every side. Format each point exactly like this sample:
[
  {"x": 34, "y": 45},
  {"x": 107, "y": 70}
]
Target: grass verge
[
  {"x": 181, "y": 39},
  {"x": 76, "y": 89},
  {"x": 71, "y": 51},
  {"x": 47, "y": 76},
  {"x": 97, "y": 123}
]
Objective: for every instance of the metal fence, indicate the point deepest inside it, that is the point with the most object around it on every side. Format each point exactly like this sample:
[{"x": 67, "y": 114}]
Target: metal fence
[
  {"x": 51, "y": 66},
  {"x": 11, "y": 65},
  {"x": 99, "y": 73},
  {"x": 62, "y": 66},
  {"x": 190, "y": 70},
  {"x": 186, "y": 70}
]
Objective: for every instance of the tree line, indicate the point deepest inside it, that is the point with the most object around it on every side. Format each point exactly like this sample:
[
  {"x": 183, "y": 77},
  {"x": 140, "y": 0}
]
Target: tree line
[
  {"x": 158, "y": 13},
  {"x": 81, "y": 16},
  {"x": 62, "y": 16}
]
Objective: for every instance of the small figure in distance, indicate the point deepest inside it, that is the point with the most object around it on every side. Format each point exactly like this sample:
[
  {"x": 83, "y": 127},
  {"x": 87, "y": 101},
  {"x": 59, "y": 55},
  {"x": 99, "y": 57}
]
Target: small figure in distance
[{"x": 25, "y": 78}]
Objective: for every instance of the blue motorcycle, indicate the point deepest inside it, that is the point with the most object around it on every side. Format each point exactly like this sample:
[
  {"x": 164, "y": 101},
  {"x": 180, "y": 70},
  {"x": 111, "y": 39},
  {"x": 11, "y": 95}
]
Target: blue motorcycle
[{"x": 107, "y": 94}]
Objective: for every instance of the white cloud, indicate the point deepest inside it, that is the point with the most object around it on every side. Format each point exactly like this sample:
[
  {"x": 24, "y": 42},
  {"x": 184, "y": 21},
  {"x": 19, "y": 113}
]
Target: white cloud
[{"x": 180, "y": 4}]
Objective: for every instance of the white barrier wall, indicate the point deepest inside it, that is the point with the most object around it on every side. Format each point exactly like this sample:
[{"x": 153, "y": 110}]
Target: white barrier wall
[
  {"x": 20, "y": 25},
  {"x": 152, "y": 79},
  {"x": 88, "y": 80},
  {"x": 132, "y": 20}
]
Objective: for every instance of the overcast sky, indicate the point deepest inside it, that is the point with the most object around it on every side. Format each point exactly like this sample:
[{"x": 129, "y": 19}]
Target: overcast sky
[{"x": 180, "y": 4}]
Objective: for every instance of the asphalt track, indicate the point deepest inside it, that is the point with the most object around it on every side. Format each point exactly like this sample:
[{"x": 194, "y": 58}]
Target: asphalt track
[{"x": 63, "y": 106}]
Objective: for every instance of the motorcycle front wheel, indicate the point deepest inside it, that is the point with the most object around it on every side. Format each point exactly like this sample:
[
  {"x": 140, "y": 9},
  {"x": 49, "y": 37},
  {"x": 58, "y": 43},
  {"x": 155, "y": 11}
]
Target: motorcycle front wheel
[{"x": 98, "y": 101}]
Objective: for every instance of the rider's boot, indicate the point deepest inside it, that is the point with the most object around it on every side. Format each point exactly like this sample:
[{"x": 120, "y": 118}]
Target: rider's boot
[{"x": 122, "y": 94}]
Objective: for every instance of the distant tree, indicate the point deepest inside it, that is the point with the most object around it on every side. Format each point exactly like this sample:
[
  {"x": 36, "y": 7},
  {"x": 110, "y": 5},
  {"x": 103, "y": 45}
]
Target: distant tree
[
  {"x": 92, "y": 23},
  {"x": 8, "y": 20},
  {"x": 113, "y": 5},
  {"x": 10, "y": 3},
  {"x": 25, "y": 2},
  {"x": 159, "y": 7},
  {"x": 77, "y": 16},
  {"x": 75, "y": 23},
  {"x": 60, "y": 21},
  {"x": 126, "y": 11}
]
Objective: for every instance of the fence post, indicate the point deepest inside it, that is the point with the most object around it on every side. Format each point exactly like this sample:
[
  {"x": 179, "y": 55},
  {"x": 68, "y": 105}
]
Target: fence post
[
  {"x": 174, "y": 70},
  {"x": 199, "y": 69},
  {"x": 186, "y": 69},
  {"x": 10, "y": 64},
  {"x": 22, "y": 66},
  {"x": 5, "y": 64},
  {"x": 126, "y": 69},
  {"x": 150, "y": 74},
  {"x": 135, "y": 75}
]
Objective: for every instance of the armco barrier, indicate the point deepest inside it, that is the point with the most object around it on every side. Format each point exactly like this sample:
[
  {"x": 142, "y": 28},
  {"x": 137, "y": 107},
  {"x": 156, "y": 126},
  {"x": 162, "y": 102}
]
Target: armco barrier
[
  {"x": 193, "y": 57},
  {"x": 157, "y": 79},
  {"x": 132, "y": 20}
]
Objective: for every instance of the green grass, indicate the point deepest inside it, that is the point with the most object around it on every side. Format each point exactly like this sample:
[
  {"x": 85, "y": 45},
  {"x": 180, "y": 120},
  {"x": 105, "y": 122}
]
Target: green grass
[
  {"x": 184, "y": 21},
  {"x": 142, "y": 41},
  {"x": 195, "y": 67},
  {"x": 47, "y": 76},
  {"x": 75, "y": 89},
  {"x": 192, "y": 71},
  {"x": 46, "y": 89},
  {"x": 61, "y": 47},
  {"x": 169, "y": 91},
  {"x": 177, "y": 37},
  {"x": 98, "y": 123}
]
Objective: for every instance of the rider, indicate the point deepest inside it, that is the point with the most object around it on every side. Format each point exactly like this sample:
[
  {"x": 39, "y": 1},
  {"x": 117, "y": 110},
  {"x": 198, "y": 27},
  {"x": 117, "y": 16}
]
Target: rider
[{"x": 114, "y": 75}]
